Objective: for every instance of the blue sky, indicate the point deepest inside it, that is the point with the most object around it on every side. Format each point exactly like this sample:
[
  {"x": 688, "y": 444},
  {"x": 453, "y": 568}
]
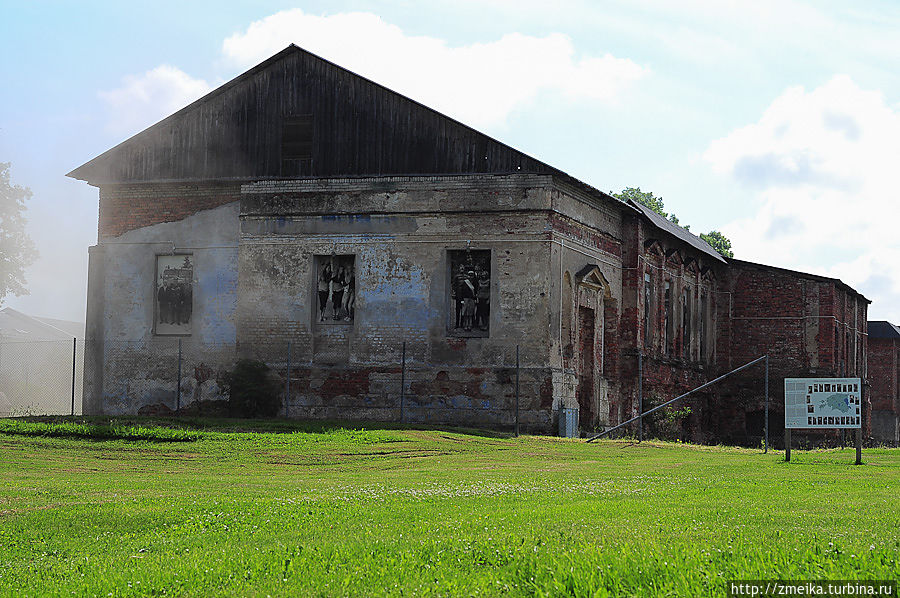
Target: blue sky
[{"x": 777, "y": 122}]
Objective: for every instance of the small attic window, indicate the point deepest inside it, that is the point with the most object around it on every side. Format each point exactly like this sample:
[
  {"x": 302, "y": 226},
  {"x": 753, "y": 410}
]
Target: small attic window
[{"x": 296, "y": 145}]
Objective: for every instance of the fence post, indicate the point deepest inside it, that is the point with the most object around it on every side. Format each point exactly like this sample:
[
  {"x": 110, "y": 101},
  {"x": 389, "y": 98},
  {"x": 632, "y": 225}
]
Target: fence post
[
  {"x": 641, "y": 395},
  {"x": 766, "y": 445},
  {"x": 402, "y": 378},
  {"x": 74, "y": 349},
  {"x": 178, "y": 382},
  {"x": 287, "y": 384},
  {"x": 517, "y": 391}
]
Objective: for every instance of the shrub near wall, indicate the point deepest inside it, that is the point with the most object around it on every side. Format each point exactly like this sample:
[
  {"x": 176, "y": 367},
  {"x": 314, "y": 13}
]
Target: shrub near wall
[{"x": 251, "y": 390}]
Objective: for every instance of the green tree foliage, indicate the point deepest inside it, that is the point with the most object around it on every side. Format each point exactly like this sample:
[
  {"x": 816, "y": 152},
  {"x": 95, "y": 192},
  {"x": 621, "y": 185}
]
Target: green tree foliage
[
  {"x": 645, "y": 198},
  {"x": 251, "y": 390},
  {"x": 17, "y": 250},
  {"x": 717, "y": 240}
]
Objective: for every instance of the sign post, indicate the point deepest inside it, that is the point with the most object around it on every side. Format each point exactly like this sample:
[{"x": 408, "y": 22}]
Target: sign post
[{"x": 821, "y": 404}]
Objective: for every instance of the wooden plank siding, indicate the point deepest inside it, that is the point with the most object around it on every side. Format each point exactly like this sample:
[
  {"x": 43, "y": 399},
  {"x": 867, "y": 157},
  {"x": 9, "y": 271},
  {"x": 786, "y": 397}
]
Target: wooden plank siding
[{"x": 360, "y": 128}]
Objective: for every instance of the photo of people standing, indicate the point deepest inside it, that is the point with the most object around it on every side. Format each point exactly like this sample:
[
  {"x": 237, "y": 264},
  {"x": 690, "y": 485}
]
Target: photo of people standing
[
  {"x": 174, "y": 294},
  {"x": 336, "y": 288},
  {"x": 470, "y": 292}
]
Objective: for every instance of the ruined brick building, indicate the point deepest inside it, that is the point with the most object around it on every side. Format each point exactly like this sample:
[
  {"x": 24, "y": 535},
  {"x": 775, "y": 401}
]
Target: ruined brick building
[
  {"x": 300, "y": 203},
  {"x": 884, "y": 374}
]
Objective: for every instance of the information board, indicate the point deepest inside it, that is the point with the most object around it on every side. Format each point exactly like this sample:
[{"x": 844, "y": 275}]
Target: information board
[{"x": 818, "y": 403}]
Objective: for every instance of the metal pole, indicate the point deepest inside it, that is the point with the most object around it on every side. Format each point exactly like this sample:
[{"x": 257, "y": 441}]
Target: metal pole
[
  {"x": 787, "y": 444},
  {"x": 517, "y": 390},
  {"x": 402, "y": 378},
  {"x": 178, "y": 382},
  {"x": 669, "y": 402},
  {"x": 640, "y": 395},
  {"x": 287, "y": 383},
  {"x": 766, "y": 445},
  {"x": 859, "y": 446},
  {"x": 74, "y": 349}
]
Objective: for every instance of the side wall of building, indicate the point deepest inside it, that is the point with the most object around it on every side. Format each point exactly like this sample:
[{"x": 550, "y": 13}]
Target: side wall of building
[
  {"x": 402, "y": 344},
  {"x": 585, "y": 315},
  {"x": 131, "y": 366},
  {"x": 884, "y": 376},
  {"x": 808, "y": 326}
]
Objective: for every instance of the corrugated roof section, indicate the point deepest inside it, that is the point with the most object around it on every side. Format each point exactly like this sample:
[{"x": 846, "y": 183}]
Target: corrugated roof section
[{"x": 673, "y": 229}]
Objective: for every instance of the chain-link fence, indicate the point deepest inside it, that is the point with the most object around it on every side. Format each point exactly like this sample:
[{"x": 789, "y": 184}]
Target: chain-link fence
[
  {"x": 415, "y": 382},
  {"x": 41, "y": 377}
]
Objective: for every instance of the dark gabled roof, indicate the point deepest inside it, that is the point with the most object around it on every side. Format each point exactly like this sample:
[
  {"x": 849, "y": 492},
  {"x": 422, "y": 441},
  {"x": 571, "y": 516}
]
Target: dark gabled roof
[
  {"x": 360, "y": 128},
  {"x": 883, "y": 329},
  {"x": 836, "y": 281},
  {"x": 677, "y": 231}
]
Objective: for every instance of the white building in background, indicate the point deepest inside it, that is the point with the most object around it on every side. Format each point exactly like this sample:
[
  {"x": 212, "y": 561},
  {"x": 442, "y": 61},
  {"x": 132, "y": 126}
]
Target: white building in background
[{"x": 37, "y": 356}]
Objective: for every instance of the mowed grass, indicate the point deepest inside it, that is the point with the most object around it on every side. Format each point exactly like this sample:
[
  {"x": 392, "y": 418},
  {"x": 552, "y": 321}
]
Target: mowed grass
[{"x": 138, "y": 509}]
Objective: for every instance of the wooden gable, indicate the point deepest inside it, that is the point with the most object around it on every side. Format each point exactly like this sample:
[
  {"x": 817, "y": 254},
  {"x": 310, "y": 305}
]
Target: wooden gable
[{"x": 298, "y": 115}]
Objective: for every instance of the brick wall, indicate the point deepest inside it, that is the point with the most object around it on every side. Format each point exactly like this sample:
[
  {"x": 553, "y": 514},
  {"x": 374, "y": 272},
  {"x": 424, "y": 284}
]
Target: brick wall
[
  {"x": 802, "y": 323},
  {"x": 884, "y": 377},
  {"x": 129, "y": 207}
]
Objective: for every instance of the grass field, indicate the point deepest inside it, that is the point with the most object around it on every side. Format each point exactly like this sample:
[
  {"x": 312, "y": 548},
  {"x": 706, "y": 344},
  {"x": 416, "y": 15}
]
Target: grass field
[{"x": 128, "y": 508}]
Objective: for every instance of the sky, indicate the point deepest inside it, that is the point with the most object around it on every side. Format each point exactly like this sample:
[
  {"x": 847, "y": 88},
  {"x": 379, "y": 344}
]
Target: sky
[{"x": 776, "y": 122}]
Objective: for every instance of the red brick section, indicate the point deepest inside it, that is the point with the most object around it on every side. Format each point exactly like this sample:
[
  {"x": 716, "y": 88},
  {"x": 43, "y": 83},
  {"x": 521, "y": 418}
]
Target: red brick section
[
  {"x": 801, "y": 323},
  {"x": 884, "y": 374},
  {"x": 129, "y": 207},
  {"x": 587, "y": 235}
]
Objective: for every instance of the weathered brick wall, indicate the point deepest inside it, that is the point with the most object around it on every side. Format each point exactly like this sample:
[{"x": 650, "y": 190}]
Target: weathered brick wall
[
  {"x": 400, "y": 230},
  {"x": 256, "y": 280},
  {"x": 884, "y": 377},
  {"x": 585, "y": 318},
  {"x": 668, "y": 369},
  {"x": 799, "y": 322},
  {"x": 432, "y": 395},
  {"x": 130, "y": 207},
  {"x": 128, "y": 366}
]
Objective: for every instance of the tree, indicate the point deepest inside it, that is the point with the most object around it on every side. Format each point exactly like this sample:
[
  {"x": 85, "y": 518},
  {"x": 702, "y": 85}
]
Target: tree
[
  {"x": 717, "y": 240},
  {"x": 17, "y": 250}
]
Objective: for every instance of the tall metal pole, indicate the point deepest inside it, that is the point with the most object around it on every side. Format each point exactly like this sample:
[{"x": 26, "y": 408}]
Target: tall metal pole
[
  {"x": 766, "y": 445},
  {"x": 287, "y": 384},
  {"x": 402, "y": 378},
  {"x": 641, "y": 395},
  {"x": 74, "y": 349},
  {"x": 517, "y": 390},
  {"x": 178, "y": 382}
]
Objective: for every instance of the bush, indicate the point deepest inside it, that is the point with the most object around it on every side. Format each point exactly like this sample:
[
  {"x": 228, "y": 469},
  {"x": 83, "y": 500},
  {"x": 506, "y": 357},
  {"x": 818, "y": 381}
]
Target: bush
[{"x": 251, "y": 390}]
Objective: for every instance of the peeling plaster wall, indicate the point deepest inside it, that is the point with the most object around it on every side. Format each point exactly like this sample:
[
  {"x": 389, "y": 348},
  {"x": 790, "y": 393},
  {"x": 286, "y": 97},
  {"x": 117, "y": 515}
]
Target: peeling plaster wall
[
  {"x": 128, "y": 366},
  {"x": 400, "y": 234}
]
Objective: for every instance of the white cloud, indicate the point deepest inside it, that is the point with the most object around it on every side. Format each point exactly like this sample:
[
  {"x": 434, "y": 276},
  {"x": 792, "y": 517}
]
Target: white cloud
[
  {"x": 823, "y": 167},
  {"x": 479, "y": 84},
  {"x": 144, "y": 99}
]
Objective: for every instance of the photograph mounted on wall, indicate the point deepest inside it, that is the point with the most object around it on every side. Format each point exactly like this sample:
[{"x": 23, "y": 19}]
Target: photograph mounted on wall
[
  {"x": 336, "y": 289},
  {"x": 470, "y": 292},
  {"x": 174, "y": 294}
]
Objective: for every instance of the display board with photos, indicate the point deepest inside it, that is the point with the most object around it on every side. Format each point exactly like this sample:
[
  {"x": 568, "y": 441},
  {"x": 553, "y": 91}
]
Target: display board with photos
[
  {"x": 174, "y": 294},
  {"x": 818, "y": 403}
]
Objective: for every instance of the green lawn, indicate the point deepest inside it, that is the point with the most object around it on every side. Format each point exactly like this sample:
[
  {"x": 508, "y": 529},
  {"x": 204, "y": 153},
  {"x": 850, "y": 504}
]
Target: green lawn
[{"x": 319, "y": 510}]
